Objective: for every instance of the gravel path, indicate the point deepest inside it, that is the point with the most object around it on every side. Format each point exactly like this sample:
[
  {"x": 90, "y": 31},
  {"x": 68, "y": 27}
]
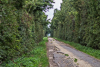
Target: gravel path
[{"x": 61, "y": 55}]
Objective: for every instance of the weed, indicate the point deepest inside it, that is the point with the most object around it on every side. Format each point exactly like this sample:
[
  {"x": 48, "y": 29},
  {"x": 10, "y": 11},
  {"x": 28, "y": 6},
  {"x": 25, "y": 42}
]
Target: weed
[
  {"x": 75, "y": 60},
  {"x": 66, "y": 55}
]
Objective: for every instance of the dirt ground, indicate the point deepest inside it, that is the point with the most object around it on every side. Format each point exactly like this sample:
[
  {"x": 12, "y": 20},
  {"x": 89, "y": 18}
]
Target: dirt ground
[{"x": 63, "y": 55}]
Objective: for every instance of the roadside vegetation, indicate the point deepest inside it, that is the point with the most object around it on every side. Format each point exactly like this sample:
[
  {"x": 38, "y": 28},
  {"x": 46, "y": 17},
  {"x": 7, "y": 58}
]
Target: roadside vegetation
[
  {"x": 78, "y": 21},
  {"x": 88, "y": 50},
  {"x": 23, "y": 24},
  {"x": 36, "y": 58}
]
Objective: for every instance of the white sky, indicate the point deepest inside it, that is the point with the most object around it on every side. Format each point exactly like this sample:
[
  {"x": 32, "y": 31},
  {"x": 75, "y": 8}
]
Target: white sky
[{"x": 57, "y": 5}]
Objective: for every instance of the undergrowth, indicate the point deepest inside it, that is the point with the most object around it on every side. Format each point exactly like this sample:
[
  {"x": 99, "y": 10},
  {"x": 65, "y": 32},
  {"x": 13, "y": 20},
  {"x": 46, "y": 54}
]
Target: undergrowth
[
  {"x": 36, "y": 58},
  {"x": 88, "y": 50}
]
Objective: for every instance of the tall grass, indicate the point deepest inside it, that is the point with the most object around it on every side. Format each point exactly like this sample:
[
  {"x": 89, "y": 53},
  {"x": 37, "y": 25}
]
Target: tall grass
[
  {"x": 88, "y": 50},
  {"x": 36, "y": 58}
]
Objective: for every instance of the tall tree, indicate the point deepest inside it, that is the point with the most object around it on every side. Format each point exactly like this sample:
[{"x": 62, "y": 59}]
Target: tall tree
[{"x": 78, "y": 21}]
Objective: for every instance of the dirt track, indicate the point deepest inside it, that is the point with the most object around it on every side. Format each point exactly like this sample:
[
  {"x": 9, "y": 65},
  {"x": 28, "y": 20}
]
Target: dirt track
[{"x": 61, "y": 55}]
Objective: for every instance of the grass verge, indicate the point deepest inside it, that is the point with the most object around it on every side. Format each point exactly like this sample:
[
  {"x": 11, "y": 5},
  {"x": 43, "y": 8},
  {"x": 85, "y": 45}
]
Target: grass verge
[
  {"x": 88, "y": 50},
  {"x": 37, "y": 57}
]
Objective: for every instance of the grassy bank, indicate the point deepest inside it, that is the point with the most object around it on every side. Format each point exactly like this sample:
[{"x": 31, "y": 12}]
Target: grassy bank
[
  {"x": 88, "y": 50},
  {"x": 36, "y": 58}
]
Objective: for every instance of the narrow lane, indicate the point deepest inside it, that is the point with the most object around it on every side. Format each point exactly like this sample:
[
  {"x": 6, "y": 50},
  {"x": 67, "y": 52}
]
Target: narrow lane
[{"x": 59, "y": 52}]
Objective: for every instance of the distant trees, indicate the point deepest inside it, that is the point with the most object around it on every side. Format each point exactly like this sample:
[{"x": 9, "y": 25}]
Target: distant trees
[
  {"x": 21, "y": 26},
  {"x": 78, "y": 21}
]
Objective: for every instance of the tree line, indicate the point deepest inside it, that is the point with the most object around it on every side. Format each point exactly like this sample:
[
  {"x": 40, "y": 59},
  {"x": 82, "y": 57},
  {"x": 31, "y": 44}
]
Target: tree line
[
  {"x": 78, "y": 21},
  {"x": 22, "y": 25}
]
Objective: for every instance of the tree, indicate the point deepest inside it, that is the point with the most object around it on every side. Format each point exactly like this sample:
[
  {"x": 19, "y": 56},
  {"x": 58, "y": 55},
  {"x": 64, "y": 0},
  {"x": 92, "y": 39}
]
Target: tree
[{"x": 78, "y": 21}]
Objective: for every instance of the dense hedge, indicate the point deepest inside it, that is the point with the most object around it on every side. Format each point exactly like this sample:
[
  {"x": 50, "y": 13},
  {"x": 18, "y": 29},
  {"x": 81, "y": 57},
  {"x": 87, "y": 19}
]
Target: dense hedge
[
  {"x": 78, "y": 21},
  {"x": 22, "y": 24}
]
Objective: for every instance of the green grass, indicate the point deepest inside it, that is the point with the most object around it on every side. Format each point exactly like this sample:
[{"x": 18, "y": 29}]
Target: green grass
[
  {"x": 66, "y": 55},
  {"x": 88, "y": 50},
  {"x": 75, "y": 60},
  {"x": 37, "y": 57},
  {"x": 45, "y": 39}
]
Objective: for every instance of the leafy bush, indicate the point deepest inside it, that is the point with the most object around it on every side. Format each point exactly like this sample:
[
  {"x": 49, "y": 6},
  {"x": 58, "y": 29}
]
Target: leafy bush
[
  {"x": 22, "y": 23},
  {"x": 78, "y": 21},
  {"x": 36, "y": 58}
]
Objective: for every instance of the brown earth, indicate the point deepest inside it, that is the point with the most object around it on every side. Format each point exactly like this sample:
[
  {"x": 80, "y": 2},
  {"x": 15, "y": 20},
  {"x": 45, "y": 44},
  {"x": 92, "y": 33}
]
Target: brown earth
[{"x": 63, "y": 55}]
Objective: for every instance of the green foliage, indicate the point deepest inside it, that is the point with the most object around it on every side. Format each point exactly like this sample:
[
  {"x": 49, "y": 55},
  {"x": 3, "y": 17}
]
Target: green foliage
[
  {"x": 75, "y": 60},
  {"x": 45, "y": 39},
  {"x": 22, "y": 23},
  {"x": 78, "y": 21},
  {"x": 66, "y": 55},
  {"x": 36, "y": 58}
]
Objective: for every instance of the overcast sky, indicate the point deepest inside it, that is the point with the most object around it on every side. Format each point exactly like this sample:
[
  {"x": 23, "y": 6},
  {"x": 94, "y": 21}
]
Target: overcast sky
[{"x": 57, "y": 5}]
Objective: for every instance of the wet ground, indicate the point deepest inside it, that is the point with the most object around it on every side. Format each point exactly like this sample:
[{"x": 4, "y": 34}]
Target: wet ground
[{"x": 62, "y": 55}]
